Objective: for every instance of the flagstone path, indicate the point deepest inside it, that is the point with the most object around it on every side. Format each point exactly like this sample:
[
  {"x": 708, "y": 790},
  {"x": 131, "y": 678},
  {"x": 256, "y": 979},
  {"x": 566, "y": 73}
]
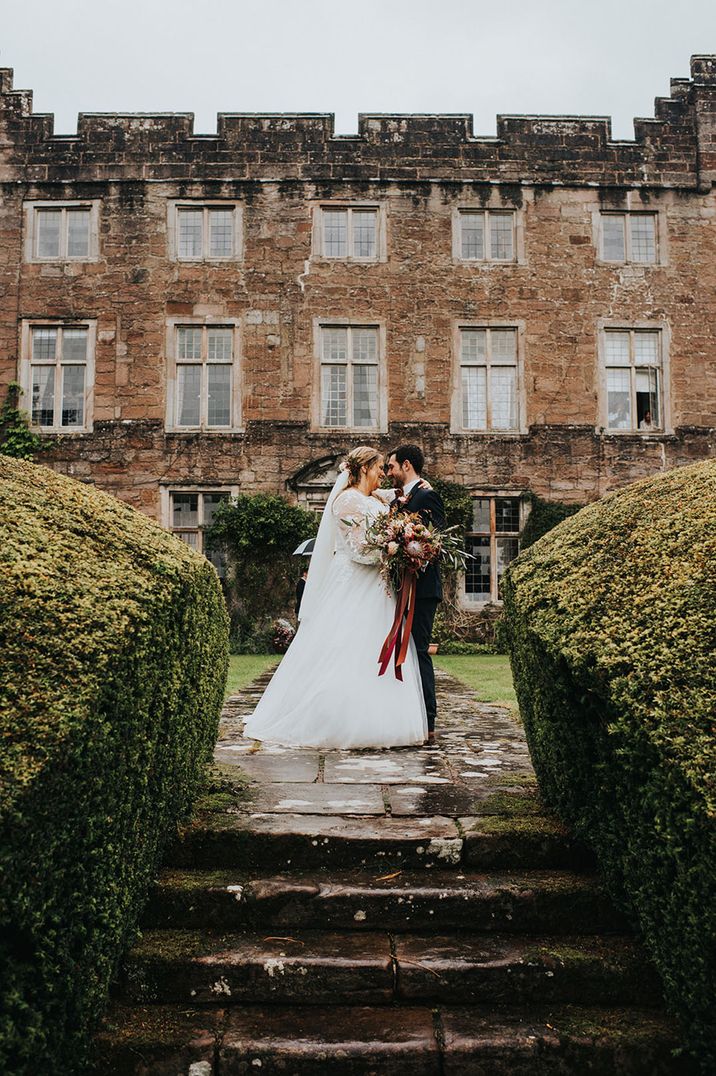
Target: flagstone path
[{"x": 383, "y": 912}]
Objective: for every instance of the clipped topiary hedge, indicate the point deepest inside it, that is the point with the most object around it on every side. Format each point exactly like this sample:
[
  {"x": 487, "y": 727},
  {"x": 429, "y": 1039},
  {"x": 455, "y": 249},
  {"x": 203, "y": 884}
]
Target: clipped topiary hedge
[
  {"x": 612, "y": 632},
  {"x": 113, "y": 658}
]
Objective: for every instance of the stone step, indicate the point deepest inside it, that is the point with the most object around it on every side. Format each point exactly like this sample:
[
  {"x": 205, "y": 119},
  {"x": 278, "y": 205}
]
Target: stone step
[
  {"x": 386, "y": 1041},
  {"x": 279, "y": 842},
  {"x": 546, "y": 902},
  {"x": 195, "y": 967}
]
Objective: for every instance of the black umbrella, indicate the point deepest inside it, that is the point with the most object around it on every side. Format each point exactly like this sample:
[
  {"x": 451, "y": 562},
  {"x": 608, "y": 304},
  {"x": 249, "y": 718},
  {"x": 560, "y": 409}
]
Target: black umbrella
[{"x": 305, "y": 549}]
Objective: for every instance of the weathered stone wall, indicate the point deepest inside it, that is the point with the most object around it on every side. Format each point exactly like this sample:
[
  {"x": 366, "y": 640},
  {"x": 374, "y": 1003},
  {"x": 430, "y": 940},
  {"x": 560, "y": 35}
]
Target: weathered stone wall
[{"x": 557, "y": 172}]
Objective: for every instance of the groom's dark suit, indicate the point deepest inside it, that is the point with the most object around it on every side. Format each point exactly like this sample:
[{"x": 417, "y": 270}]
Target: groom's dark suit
[{"x": 429, "y": 506}]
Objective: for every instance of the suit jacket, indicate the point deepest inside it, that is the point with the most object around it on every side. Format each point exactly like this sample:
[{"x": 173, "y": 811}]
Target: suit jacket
[{"x": 429, "y": 506}]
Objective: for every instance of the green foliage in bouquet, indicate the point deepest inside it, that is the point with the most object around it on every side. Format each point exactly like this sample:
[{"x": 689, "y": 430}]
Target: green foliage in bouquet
[
  {"x": 113, "y": 644},
  {"x": 259, "y": 533},
  {"x": 612, "y": 634}
]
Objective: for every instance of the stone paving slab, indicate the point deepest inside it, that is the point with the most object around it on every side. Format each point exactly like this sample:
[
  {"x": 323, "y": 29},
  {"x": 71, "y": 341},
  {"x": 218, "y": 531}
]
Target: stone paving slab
[
  {"x": 398, "y": 766},
  {"x": 266, "y": 767},
  {"x": 507, "y": 968},
  {"x": 321, "y": 799},
  {"x": 346, "y": 1042},
  {"x": 379, "y": 829},
  {"x": 509, "y": 1042},
  {"x": 166, "y": 1040},
  {"x": 449, "y": 800},
  {"x": 198, "y": 967}
]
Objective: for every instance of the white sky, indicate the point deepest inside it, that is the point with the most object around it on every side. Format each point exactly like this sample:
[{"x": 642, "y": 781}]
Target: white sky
[{"x": 588, "y": 57}]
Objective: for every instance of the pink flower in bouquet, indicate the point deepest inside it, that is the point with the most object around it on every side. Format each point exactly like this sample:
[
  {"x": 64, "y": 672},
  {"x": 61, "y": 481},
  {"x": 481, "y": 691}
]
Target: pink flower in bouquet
[
  {"x": 393, "y": 548},
  {"x": 408, "y": 530},
  {"x": 414, "y": 549}
]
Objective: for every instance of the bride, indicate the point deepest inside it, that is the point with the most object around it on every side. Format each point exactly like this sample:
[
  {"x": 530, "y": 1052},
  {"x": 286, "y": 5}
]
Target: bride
[{"x": 326, "y": 692}]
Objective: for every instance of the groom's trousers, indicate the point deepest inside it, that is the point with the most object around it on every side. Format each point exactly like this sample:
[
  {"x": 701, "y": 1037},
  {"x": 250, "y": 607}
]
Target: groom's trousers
[{"x": 425, "y": 609}]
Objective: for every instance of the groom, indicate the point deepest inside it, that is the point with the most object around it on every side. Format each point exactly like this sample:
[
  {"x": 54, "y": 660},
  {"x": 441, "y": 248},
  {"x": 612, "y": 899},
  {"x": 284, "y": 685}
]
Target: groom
[{"x": 405, "y": 465}]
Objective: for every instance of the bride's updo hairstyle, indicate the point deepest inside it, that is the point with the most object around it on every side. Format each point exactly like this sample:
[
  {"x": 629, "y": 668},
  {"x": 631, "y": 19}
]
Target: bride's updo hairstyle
[{"x": 355, "y": 461}]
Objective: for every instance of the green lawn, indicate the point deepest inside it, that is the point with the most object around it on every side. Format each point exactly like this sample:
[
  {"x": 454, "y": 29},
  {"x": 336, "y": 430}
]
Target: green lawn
[
  {"x": 489, "y": 675},
  {"x": 243, "y": 668}
]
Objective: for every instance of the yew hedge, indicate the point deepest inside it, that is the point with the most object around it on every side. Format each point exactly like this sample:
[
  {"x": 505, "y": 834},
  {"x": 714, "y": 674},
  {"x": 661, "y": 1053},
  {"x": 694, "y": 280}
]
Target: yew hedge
[
  {"x": 612, "y": 632},
  {"x": 113, "y": 658}
]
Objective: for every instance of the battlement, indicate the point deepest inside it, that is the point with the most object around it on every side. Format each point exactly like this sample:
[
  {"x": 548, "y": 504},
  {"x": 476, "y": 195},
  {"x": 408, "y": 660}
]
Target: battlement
[{"x": 674, "y": 147}]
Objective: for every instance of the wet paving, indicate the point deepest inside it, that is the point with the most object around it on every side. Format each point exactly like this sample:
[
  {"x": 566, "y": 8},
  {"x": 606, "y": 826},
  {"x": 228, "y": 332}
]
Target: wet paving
[{"x": 481, "y": 749}]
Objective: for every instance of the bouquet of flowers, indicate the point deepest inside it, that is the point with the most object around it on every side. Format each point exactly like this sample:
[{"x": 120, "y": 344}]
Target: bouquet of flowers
[{"x": 407, "y": 546}]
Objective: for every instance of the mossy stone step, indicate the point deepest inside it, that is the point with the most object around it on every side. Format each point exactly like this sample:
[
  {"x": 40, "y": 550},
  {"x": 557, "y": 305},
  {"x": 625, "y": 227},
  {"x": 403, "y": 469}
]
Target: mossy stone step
[
  {"x": 157, "y": 1040},
  {"x": 529, "y": 901},
  {"x": 194, "y": 967},
  {"x": 279, "y": 842},
  {"x": 386, "y": 1040}
]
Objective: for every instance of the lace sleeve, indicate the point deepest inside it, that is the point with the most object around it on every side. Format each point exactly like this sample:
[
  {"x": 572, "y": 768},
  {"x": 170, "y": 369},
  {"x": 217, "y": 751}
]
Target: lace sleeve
[
  {"x": 350, "y": 514},
  {"x": 387, "y": 496}
]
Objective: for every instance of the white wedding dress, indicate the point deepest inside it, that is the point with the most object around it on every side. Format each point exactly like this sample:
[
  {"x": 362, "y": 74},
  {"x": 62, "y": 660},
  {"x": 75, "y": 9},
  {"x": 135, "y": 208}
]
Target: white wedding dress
[{"x": 326, "y": 692}]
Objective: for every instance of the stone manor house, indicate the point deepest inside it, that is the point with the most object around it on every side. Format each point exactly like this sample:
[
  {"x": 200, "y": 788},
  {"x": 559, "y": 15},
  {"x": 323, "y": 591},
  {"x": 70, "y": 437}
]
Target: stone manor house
[{"x": 195, "y": 315}]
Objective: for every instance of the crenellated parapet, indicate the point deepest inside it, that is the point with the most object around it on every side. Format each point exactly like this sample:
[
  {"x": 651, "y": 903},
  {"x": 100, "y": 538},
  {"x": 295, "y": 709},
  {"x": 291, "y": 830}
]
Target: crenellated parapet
[{"x": 674, "y": 148}]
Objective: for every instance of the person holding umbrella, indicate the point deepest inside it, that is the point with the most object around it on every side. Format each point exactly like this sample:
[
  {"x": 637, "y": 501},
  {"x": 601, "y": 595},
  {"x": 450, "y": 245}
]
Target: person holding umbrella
[{"x": 304, "y": 550}]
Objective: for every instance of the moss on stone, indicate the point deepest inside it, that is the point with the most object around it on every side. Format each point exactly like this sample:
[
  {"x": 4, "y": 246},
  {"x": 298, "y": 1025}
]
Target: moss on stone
[
  {"x": 523, "y": 780},
  {"x": 612, "y": 635},
  {"x": 533, "y": 825},
  {"x": 512, "y": 804}
]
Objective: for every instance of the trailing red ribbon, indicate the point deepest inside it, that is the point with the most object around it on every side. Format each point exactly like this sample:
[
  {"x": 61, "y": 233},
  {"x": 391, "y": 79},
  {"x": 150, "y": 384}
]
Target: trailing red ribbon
[{"x": 398, "y": 638}]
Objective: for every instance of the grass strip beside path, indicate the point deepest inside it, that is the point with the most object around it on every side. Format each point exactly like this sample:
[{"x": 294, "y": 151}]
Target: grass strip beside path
[
  {"x": 243, "y": 668},
  {"x": 489, "y": 676}
]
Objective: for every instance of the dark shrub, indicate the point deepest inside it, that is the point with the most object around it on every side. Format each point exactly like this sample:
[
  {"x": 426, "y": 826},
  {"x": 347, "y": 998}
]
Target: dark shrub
[
  {"x": 259, "y": 533},
  {"x": 113, "y": 657},
  {"x": 543, "y": 516},
  {"x": 612, "y": 629}
]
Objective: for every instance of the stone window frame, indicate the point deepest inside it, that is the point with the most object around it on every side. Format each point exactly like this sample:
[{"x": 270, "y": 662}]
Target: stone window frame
[
  {"x": 30, "y": 210},
  {"x": 320, "y": 323},
  {"x": 519, "y": 256},
  {"x": 479, "y": 602},
  {"x": 381, "y": 251},
  {"x": 456, "y": 426},
  {"x": 632, "y": 206},
  {"x": 625, "y": 325},
  {"x": 215, "y": 321},
  {"x": 25, "y": 370},
  {"x": 174, "y": 205},
  {"x": 167, "y": 491}
]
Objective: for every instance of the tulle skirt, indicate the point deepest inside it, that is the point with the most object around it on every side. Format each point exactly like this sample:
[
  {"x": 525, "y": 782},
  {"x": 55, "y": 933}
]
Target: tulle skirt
[{"x": 326, "y": 692}]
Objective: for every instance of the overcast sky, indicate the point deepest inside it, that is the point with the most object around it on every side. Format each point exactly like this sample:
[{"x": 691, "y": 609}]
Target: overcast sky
[{"x": 587, "y": 57}]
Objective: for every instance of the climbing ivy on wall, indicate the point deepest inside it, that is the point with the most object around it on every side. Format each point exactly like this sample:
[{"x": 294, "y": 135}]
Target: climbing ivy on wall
[
  {"x": 543, "y": 516},
  {"x": 259, "y": 533},
  {"x": 458, "y": 503},
  {"x": 16, "y": 437}
]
